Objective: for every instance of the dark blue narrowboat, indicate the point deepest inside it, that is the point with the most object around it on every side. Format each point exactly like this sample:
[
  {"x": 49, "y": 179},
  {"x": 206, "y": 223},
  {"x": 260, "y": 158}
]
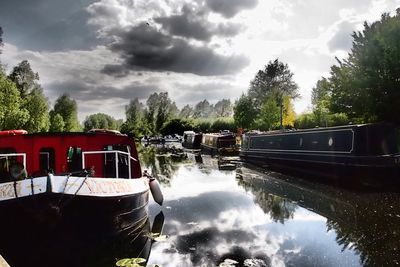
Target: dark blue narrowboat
[{"x": 355, "y": 150}]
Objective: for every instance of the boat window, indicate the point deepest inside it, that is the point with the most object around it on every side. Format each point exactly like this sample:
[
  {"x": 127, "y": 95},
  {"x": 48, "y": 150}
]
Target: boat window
[
  {"x": 6, "y": 162},
  {"x": 123, "y": 161},
  {"x": 47, "y": 160},
  {"x": 74, "y": 159}
]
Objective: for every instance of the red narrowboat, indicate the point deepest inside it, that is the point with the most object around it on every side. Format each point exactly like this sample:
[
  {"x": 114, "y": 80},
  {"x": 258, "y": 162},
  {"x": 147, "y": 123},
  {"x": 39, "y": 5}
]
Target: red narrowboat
[{"x": 88, "y": 180}]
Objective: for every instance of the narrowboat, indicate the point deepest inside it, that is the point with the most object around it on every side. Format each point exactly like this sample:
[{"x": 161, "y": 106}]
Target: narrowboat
[
  {"x": 223, "y": 143},
  {"x": 191, "y": 140},
  {"x": 89, "y": 180},
  {"x": 367, "y": 150}
]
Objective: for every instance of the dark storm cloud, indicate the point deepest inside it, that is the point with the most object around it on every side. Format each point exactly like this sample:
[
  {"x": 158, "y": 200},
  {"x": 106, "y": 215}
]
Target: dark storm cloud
[
  {"x": 82, "y": 91},
  {"x": 191, "y": 24},
  {"x": 229, "y": 8},
  {"x": 52, "y": 25},
  {"x": 342, "y": 40},
  {"x": 144, "y": 47}
]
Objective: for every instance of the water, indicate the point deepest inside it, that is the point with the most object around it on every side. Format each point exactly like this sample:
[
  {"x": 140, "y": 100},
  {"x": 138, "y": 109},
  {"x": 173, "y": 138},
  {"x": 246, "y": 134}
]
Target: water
[
  {"x": 218, "y": 210},
  {"x": 221, "y": 212}
]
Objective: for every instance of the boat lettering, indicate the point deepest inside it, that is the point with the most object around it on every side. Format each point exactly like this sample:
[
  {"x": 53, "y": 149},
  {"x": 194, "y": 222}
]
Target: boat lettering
[{"x": 107, "y": 186}]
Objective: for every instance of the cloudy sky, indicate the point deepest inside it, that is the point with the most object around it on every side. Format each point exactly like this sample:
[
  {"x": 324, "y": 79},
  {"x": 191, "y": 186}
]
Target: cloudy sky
[{"x": 106, "y": 52}]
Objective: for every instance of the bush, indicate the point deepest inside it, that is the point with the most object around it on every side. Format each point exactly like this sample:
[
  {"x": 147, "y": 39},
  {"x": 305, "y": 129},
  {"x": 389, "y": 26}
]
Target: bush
[
  {"x": 305, "y": 121},
  {"x": 223, "y": 124},
  {"x": 177, "y": 126}
]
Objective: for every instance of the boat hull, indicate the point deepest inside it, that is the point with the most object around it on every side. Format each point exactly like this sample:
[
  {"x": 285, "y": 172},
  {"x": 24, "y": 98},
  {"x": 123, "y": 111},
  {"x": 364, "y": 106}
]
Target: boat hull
[{"x": 78, "y": 203}]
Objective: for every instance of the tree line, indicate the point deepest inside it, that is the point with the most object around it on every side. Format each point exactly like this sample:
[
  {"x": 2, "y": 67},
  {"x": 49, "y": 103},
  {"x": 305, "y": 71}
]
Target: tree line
[{"x": 364, "y": 87}]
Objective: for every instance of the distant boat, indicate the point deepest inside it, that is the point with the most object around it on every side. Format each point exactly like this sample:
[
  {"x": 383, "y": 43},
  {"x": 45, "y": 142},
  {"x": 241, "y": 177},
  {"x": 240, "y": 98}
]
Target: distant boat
[
  {"x": 191, "y": 140},
  {"x": 87, "y": 180},
  {"x": 355, "y": 150},
  {"x": 223, "y": 143}
]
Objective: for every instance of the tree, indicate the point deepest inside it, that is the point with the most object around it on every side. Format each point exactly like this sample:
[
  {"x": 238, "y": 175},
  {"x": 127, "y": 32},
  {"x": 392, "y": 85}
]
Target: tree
[
  {"x": 289, "y": 115},
  {"x": 32, "y": 96},
  {"x": 134, "y": 118},
  {"x": 367, "y": 84},
  {"x": 37, "y": 106},
  {"x": 203, "y": 109},
  {"x": 223, "y": 108},
  {"x": 99, "y": 121},
  {"x": 56, "y": 122},
  {"x": 186, "y": 112},
  {"x": 12, "y": 114},
  {"x": 24, "y": 77},
  {"x": 244, "y": 112},
  {"x": 274, "y": 80},
  {"x": 269, "y": 114},
  {"x": 67, "y": 108},
  {"x": 164, "y": 110}
]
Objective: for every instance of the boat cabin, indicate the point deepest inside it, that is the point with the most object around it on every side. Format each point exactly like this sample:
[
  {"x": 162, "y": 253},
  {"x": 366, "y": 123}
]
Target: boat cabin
[
  {"x": 101, "y": 153},
  {"x": 191, "y": 139},
  {"x": 219, "y": 142}
]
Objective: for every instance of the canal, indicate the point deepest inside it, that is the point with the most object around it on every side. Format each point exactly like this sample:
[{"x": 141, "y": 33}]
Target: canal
[{"x": 218, "y": 211}]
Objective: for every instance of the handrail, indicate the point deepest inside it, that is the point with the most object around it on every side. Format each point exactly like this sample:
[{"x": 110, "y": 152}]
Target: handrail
[{"x": 116, "y": 159}]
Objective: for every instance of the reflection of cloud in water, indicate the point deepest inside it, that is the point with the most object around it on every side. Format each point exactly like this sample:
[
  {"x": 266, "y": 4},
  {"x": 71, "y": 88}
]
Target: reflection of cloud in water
[{"x": 212, "y": 218}]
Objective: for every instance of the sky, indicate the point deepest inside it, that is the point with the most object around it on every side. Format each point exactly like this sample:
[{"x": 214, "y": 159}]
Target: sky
[{"x": 105, "y": 53}]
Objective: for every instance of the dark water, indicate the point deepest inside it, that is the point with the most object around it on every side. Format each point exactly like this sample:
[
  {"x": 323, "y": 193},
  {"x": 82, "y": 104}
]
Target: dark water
[{"x": 218, "y": 210}]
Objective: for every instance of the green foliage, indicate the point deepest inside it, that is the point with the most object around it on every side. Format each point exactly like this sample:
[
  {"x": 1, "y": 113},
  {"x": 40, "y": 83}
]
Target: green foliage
[
  {"x": 310, "y": 120},
  {"x": 134, "y": 123},
  {"x": 222, "y": 123},
  {"x": 32, "y": 96},
  {"x": 366, "y": 86},
  {"x": 186, "y": 112},
  {"x": 36, "y": 104},
  {"x": 56, "y": 122},
  {"x": 100, "y": 121},
  {"x": 12, "y": 114},
  {"x": 159, "y": 110},
  {"x": 24, "y": 78},
  {"x": 67, "y": 108},
  {"x": 203, "y": 109},
  {"x": 223, "y": 108},
  {"x": 305, "y": 121},
  {"x": 202, "y": 125},
  {"x": 269, "y": 115},
  {"x": 244, "y": 112},
  {"x": 275, "y": 80},
  {"x": 177, "y": 126}
]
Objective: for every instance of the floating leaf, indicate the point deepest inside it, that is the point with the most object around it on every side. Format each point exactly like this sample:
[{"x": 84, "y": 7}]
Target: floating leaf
[
  {"x": 123, "y": 262},
  {"x": 130, "y": 262}
]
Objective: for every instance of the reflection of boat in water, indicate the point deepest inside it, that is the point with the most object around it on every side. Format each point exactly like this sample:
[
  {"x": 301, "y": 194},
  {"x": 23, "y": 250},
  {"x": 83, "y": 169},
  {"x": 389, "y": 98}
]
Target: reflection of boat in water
[
  {"x": 86, "y": 181},
  {"x": 69, "y": 248},
  {"x": 364, "y": 221},
  {"x": 367, "y": 150},
  {"x": 220, "y": 163}
]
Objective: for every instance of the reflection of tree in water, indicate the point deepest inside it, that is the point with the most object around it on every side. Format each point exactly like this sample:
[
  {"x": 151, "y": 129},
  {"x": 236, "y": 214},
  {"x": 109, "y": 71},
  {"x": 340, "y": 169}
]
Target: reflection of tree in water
[
  {"x": 372, "y": 231},
  {"x": 161, "y": 161},
  {"x": 368, "y": 223},
  {"x": 280, "y": 209}
]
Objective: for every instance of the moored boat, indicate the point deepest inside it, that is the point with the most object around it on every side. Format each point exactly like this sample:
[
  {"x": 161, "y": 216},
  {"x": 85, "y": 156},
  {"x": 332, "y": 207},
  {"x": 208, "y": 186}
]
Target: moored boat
[
  {"x": 367, "y": 150},
  {"x": 191, "y": 140},
  {"x": 89, "y": 180},
  {"x": 223, "y": 143}
]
